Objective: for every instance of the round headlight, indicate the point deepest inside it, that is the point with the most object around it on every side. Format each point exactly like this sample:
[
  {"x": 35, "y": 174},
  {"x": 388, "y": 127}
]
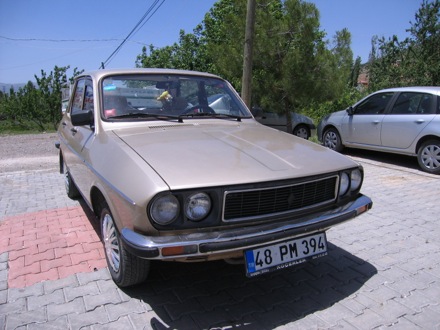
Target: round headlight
[
  {"x": 344, "y": 184},
  {"x": 356, "y": 179},
  {"x": 165, "y": 209},
  {"x": 197, "y": 206}
]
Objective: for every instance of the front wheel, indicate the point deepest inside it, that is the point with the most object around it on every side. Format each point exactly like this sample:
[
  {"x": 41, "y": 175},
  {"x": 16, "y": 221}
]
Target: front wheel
[
  {"x": 332, "y": 140},
  {"x": 428, "y": 156},
  {"x": 125, "y": 268},
  {"x": 302, "y": 131}
]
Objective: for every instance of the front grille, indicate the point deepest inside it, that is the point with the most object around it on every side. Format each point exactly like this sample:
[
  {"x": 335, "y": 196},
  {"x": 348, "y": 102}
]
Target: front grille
[{"x": 251, "y": 203}]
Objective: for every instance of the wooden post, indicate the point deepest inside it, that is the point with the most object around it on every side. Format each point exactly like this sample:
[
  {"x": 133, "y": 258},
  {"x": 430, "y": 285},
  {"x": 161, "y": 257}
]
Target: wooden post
[{"x": 248, "y": 52}]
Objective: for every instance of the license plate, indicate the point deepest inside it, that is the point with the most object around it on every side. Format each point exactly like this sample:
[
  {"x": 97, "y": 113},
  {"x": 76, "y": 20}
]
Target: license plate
[{"x": 285, "y": 254}]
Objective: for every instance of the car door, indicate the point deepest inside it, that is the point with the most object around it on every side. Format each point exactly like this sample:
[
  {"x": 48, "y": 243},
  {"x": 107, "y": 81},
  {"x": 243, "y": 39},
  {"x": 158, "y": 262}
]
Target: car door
[
  {"x": 363, "y": 125},
  {"x": 274, "y": 120},
  {"x": 409, "y": 115},
  {"x": 77, "y": 136}
]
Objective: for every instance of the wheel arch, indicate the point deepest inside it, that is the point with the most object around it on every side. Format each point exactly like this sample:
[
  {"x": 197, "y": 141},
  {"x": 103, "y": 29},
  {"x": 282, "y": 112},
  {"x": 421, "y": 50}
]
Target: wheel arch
[
  {"x": 424, "y": 139},
  {"x": 96, "y": 198},
  {"x": 301, "y": 125},
  {"x": 326, "y": 128}
]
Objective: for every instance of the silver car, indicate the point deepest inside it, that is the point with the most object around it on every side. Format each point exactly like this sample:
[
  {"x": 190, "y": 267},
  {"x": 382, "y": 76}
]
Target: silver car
[
  {"x": 398, "y": 120},
  {"x": 172, "y": 178},
  {"x": 302, "y": 126}
]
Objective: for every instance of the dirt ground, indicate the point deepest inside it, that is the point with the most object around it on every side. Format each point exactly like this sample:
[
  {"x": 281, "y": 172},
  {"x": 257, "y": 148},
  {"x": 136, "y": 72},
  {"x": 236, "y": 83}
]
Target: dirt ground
[{"x": 26, "y": 152}]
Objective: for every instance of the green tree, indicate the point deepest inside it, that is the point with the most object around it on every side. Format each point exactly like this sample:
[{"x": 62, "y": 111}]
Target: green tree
[
  {"x": 293, "y": 66},
  {"x": 188, "y": 54},
  {"x": 413, "y": 61},
  {"x": 424, "y": 44},
  {"x": 37, "y": 106},
  {"x": 343, "y": 57},
  {"x": 50, "y": 88},
  {"x": 31, "y": 106},
  {"x": 286, "y": 34},
  {"x": 355, "y": 72}
]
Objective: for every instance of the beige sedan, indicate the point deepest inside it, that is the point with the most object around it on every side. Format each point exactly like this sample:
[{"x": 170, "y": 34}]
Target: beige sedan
[{"x": 171, "y": 178}]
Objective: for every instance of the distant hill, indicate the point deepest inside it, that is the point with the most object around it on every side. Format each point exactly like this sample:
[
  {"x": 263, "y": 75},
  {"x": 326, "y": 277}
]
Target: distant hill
[{"x": 4, "y": 88}]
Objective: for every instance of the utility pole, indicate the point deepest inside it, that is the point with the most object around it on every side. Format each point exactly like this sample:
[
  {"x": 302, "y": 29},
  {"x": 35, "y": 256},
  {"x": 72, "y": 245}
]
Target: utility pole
[{"x": 248, "y": 53}]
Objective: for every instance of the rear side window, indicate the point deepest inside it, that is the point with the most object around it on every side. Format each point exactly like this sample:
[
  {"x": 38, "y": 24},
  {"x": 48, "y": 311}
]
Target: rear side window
[
  {"x": 88, "y": 98},
  {"x": 413, "y": 103},
  {"x": 83, "y": 97},
  {"x": 78, "y": 98},
  {"x": 376, "y": 104}
]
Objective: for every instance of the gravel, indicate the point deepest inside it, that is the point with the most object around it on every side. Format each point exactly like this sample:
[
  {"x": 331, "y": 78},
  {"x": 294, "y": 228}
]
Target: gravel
[{"x": 28, "y": 152}]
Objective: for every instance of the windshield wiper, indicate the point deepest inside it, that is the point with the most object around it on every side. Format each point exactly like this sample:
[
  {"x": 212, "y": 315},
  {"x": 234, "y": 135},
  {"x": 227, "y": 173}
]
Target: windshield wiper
[
  {"x": 223, "y": 115},
  {"x": 147, "y": 115},
  {"x": 209, "y": 114}
]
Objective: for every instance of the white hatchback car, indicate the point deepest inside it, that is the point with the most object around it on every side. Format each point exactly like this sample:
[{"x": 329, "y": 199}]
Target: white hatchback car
[{"x": 402, "y": 120}]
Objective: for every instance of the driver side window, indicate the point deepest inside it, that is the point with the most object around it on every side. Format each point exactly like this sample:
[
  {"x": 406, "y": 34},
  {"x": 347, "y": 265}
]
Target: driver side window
[{"x": 375, "y": 104}]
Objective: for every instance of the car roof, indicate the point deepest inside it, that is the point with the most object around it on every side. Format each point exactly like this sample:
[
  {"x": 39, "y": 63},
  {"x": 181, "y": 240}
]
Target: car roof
[
  {"x": 98, "y": 74},
  {"x": 421, "y": 89}
]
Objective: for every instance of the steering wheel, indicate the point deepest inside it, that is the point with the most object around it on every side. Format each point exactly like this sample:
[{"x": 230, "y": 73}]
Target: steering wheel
[{"x": 200, "y": 108}]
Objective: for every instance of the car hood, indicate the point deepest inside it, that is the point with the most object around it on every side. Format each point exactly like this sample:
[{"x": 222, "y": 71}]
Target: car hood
[{"x": 194, "y": 155}]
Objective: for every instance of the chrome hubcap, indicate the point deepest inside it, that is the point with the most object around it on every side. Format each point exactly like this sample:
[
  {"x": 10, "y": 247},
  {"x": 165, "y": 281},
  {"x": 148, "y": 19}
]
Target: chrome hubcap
[
  {"x": 431, "y": 157},
  {"x": 302, "y": 133},
  {"x": 330, "y": 140},
  {"x": 111, "y": 244}
]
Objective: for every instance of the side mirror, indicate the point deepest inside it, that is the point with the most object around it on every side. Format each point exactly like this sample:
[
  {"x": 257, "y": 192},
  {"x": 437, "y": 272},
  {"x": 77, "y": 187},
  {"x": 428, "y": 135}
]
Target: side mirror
[
  {"x": 350, "y": 111},
  {"x": 82, "y": 118},
  {"x": 257, "y": 112}
]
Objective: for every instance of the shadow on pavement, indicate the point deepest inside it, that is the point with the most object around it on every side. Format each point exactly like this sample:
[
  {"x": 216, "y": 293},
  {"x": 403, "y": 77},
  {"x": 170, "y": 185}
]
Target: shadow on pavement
[
  {"x": 219, "y": 295},
  {"x": 94, "y": 221},
  {"x": 383, "y": 157}
]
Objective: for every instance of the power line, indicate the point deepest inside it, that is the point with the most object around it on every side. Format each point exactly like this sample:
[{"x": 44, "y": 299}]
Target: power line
[
  {"x": 58, "y": 40},
  {"x": 137, "y": 27}
]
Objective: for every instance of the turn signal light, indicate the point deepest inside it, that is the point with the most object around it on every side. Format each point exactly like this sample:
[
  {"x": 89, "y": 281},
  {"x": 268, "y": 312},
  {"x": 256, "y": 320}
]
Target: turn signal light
[{"x": 179, "y": 250}]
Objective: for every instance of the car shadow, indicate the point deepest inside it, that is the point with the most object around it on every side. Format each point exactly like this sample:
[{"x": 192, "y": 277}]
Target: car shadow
[
  {"x": 94, "y": 221},
  {"x": 383, "y": 157},
  {"x": 219, "y": 295}
]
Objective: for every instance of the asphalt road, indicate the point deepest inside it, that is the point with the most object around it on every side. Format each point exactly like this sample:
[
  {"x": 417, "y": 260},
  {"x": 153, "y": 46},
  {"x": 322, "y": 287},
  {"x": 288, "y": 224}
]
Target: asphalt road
[{"x": 382, "y": 270}]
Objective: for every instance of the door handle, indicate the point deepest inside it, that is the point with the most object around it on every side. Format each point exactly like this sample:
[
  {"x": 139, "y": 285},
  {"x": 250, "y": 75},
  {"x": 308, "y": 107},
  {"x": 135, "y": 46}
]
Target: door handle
[
  {"x": 375, "y": 122},
  {"x": 420, "y": 121},
  {"x": 74, "y": 130},
  {"x": 64, "y": 124}
]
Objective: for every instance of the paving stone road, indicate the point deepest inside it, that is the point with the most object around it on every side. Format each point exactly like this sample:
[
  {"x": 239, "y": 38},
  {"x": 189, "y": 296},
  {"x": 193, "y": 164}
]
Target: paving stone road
[{"x": 382, "y": 271}]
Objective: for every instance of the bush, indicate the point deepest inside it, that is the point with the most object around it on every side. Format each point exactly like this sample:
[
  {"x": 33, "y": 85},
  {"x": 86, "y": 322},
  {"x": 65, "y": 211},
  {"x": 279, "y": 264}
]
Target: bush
[{"x": 317, "y": 111}]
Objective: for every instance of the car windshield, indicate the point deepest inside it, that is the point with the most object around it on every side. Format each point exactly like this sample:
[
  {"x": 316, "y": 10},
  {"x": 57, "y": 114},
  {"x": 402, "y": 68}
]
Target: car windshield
[{"x": 165, "y": 96}]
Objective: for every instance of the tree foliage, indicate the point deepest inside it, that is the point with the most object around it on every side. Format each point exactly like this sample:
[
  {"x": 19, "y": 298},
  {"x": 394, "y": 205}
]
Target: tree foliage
[
  {"x": 188, "y": 54},
  {"x": 40, "y": 105},
  {"x": 293, "y": 64},
  {"x": 413, "y": 61}
]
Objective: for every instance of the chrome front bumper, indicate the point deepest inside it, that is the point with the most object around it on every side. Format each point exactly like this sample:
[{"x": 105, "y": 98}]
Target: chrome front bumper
[{"x": 237, "y": 239}]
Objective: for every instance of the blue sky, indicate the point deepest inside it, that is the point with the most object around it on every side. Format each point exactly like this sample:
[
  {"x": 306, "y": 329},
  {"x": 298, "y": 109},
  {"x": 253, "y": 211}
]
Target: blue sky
[{"x": 113, "y": 20}]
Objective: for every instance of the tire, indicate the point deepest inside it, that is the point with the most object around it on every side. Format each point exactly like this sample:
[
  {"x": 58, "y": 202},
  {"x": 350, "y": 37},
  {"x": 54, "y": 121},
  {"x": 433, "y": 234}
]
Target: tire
[
  {"x": 332, "y": 140},
  {"x": 428, "y": 156},
  {"x": 125, "y": 268},
  {"x": 71, "y": 189},
  {"x": 302, "y": 131}
]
